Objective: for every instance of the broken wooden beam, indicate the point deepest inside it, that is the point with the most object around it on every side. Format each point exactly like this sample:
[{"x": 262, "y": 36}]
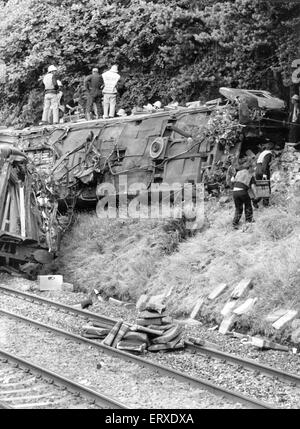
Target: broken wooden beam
[
  {"x": 112, "y": 334},
  {"x": 217, "y": 291},
  {"x": 124, "y": 328},
  {"x": 228, "y": 307},
  {"x": 241, "y": 288},
  {"x": 263, "y": 343},
  {"x": 245, "y": 307},
  {"x": 197, "y": 307},
  {"x": 168, "y": 335},
  {"x": 280, "y": 323},
  {"x": 227, "y": 323}
]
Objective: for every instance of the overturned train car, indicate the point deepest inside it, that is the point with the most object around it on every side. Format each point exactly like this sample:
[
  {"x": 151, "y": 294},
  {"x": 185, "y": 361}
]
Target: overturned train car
[
  {"x": 185, "y": 145},
  {"x": 182, "y": 145},
  {"x": 24, "y": 245}
]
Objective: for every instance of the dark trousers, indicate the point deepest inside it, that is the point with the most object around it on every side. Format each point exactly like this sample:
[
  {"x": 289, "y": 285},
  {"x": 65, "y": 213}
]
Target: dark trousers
[
  {"x": 91, "y": 100},
  {"x": 294, "y": 133},
  {"x": 241, "y": 200}
]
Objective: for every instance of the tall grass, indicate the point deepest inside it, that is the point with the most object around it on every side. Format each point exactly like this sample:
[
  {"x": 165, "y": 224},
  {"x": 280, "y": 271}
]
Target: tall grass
[{"x": 130, "y": 257}]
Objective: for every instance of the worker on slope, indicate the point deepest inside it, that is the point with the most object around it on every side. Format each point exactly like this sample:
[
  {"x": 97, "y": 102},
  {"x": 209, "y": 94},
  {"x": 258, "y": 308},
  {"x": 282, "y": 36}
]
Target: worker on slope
[
  {"x": 50, "y": 98},
  {"x": 110, "y": 79},
  {"x": 262, "y": 171},
  {"x": 243, "y": 181},
  {"x": 294, "y": 119},
  {"x": 93, "y": 88}
]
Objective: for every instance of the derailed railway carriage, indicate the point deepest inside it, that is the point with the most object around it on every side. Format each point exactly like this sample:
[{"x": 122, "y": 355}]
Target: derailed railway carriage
[
  {"x": 183, "y": 145},
  {"x": 24, "y": 245}
]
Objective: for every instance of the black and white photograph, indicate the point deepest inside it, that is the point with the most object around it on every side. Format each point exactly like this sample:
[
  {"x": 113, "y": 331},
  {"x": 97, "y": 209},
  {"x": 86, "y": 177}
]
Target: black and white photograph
[{"x": 149, "y": 207}]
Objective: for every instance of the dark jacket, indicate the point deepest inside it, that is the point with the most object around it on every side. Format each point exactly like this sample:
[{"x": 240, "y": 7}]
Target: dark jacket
[{"x": 93, "y": 84}]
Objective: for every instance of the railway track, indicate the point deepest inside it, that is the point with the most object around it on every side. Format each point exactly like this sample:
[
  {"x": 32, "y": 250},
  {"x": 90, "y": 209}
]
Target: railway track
[
  {"x": 212, "y": 352},
  {"x": 103, "y": 320},
  {"x": 154, "y": 367},
  {"x": 251, "y": 364},
  {"x": 24, "y": 385},
  {"x": 191, "y": 346}
]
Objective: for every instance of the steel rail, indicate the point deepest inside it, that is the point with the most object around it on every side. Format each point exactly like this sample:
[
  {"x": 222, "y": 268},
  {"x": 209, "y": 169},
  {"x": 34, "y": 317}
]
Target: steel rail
[
  {"x": 245, "y": 362},
  {"x": 161, "y": 369},
  {"x": 105, "y": 321},
  {"x": 72, "y": 386}
]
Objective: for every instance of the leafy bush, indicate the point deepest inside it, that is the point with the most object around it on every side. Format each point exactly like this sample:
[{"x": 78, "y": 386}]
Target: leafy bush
[{"x": 179, "y": 49}]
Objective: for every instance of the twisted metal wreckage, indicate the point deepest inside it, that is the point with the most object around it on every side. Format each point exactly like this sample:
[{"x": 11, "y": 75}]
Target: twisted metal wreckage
[{"x": 46, "y": 171}]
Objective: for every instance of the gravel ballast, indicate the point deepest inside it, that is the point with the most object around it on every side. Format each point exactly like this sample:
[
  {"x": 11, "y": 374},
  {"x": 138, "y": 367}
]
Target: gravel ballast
[
  {"x": 232, "y": 377},
  {"x": 126, "y": 382}
]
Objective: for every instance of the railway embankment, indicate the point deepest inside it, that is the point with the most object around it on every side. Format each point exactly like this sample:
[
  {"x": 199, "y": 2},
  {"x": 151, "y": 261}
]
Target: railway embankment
[{"x": 127, "y": 258}]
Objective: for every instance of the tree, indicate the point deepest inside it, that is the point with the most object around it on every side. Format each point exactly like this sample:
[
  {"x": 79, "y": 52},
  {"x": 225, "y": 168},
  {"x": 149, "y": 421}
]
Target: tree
[{"x": 166, "y": 50}]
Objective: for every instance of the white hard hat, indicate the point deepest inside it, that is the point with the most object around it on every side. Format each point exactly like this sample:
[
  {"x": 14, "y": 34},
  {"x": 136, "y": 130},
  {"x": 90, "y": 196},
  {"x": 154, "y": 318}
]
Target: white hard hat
[
  {"x": 51, "y": 69},
  {"x": 121, "y": 112},
  {"x": 157, "y": 104},
  {"x": 295, "y": 97},
  {"x": 114, "y": 68}
]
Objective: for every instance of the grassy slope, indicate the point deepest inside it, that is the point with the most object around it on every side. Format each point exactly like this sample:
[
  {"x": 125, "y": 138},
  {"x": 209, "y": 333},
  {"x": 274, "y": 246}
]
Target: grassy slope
[{"x": 127, "y": 258}]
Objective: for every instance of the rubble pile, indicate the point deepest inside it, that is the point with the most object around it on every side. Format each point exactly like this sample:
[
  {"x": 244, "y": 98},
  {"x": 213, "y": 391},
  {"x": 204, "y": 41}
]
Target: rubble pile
[{"x": 154, "y": 329}]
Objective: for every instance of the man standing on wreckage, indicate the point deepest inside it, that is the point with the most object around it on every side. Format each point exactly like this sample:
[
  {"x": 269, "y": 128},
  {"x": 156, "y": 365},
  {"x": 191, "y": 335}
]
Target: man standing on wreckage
[{"x": 51, "y": 96}]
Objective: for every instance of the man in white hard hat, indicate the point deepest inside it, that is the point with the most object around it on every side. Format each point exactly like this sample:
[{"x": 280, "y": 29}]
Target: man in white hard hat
[
  {"x": 294, "y": 119},
  {"x": 50, "y": 98},
  {"x": 110, "y": 79},
  {"x": 157, "y": 105},
  {"x": 121, "y": 113}
]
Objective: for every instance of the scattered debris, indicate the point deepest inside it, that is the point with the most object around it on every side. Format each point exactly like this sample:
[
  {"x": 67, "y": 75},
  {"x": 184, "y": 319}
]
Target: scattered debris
[
  {"x": 68, "y": 287},
  {"x": 53, "y": 283},
  {"x": 124, "y": 328},
  {"x": 241, "y": 288},
  {"x": 228, "y": 307},
  {"x": 129, "y": 305},
  {"x": 239, "y": 335},
  {"x": 153, "y": 331},
  {"x": 295, "y": 324},
  {"x": 86, "y": 303},
  {"x": 149, "y": 330},
  {"x": 245, "y": 307},
  {"x": 217, "y": 291},
  {"x": 203, "y": 343},
  {"x": 99, "y": 297},
  {"x": 131, "y": 347},
  {"x": 168, "y": 335},
  {"x": 226, "y": 323},
  {"x": 213, "y": 328},
  {"x": 94, "y": 332},
  {"x": 263, "y": 343},
  {"x": 142, "y": 301},
  {"x": 116, "y": 302},
  {"x": 190, "y": 322},
  {"x": 296, "y": 336},
  {"x": 290, "y": 315},
  {"x": 275, "y": 315},
  {"x": 197, "y": 308},
  {"x": 112, "y": 334},
  {"x": 225, "y": 199}
]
